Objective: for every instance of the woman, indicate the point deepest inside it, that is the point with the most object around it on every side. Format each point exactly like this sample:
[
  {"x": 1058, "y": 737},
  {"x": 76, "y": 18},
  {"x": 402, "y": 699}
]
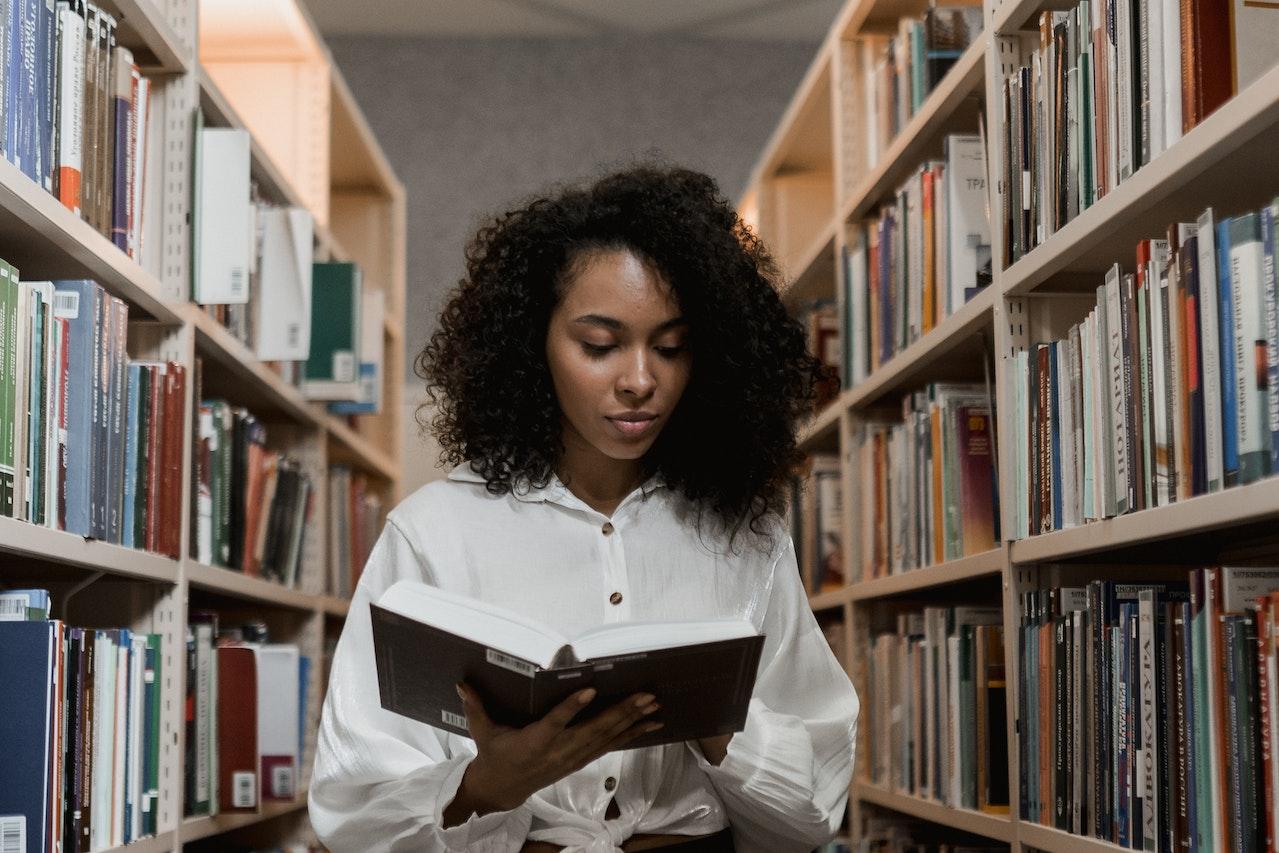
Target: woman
[{"x": 621, "y": 383}]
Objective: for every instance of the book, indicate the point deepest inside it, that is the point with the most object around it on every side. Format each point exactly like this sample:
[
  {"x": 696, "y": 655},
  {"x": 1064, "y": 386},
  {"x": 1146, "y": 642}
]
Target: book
[
  {"x": 220, "y": 217},
  {"x": 281, "y": 296},
  {"x": 702, "y": 673},
  {"x": 331, "y": 369},
  {"x": 372, "y": 318}
]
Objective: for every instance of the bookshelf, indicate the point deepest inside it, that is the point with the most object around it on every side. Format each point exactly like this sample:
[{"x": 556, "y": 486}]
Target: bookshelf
[
  {"x": 1224, "y": 162},
  {"x": 187, "y": 49}
]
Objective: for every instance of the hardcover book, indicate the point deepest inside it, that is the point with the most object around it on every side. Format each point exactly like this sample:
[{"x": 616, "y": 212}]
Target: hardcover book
[{"x": 702, "y": 673}]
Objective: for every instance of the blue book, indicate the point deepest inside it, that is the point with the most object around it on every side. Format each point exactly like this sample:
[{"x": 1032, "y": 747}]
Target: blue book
[
  {"x": 26, "y": 26},
  {"x": 46, "y": 77},
  {"x": 77, "y": 301},
  {"x": 304, "y": 678},
  {"x": 26, "y": 711},
  {"x": 131, "y": 440},
  {"x": 1226, "y": 358},
  {"x": 1270, "y": 295}
]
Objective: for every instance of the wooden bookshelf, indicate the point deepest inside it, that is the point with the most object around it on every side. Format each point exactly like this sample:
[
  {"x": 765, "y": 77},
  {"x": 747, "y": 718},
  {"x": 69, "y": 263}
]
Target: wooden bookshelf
[
  {"x": 1225, "y": 162},
  {"x": 360, "y": 210}
]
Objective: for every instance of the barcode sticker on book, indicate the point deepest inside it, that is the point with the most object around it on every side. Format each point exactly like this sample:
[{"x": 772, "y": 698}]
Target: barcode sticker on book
[
  {"x": 507, "y": 662},
  {"x": 451, "y": 719},
  {"x": 13, "y": 607},
  {"x": 13, "y": 833},
  {"x": 343, "y": 366},
  {"x": 66, "y": 303},
  {"x": 282, "y": 781},
  {"x": 244, "y": 789},
  {"x": 237, "y": 282},
  {"x": 293, "y": 334}
]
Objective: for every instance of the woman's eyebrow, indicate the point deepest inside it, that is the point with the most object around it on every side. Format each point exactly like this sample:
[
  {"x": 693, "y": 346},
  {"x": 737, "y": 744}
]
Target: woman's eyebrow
[{"x": 617, "y": 325}]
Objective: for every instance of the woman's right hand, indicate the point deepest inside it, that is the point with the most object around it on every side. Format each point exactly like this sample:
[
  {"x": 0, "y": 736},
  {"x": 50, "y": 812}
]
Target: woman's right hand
[{"x": 512, "y": 764}]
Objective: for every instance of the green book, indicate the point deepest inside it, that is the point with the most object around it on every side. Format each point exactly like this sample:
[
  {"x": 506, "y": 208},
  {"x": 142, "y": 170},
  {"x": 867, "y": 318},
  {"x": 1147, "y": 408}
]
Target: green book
[{"x": 332, "y": 370}]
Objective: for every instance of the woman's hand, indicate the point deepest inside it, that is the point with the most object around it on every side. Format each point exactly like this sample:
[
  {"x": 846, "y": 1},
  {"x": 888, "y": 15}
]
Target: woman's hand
[
  {"x": 715, "y": 748},
  {"x": 513, "y": 763}
]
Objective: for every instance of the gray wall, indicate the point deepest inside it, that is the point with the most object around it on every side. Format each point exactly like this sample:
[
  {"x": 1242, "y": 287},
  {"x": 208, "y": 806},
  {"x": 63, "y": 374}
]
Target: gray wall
[{"x": 474, "y": 126}]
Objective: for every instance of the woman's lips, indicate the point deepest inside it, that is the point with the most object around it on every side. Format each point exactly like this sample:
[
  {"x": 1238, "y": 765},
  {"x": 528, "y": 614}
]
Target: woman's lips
[{"x": 632, "y": 428}]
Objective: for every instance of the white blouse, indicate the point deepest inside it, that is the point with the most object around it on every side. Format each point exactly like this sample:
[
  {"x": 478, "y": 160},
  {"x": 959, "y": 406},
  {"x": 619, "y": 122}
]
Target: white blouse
[{"x": 381, "y": 781}]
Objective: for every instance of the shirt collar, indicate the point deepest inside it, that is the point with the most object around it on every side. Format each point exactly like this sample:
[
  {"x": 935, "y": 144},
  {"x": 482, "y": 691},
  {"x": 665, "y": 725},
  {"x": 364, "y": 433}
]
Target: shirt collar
[{"x": 554, "y": 491}]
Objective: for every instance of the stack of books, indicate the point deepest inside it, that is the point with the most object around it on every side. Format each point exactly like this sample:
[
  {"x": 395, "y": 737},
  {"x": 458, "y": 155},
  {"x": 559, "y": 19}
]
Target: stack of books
[
  {"x": 356, "y": 514},
  {"x": 253, "y": 504},
  {"x": 1148, "y": 710},
  {"x": 245, "y": 707},
  {"x": 936, "y": 708},
  {"x": 924, "y": 256},
  {"x": 90, "y": 440},
  {"x": 927, "y": 485},
  {"x": 80, "y": 720},
  {"x": 1164, "y": 390}
]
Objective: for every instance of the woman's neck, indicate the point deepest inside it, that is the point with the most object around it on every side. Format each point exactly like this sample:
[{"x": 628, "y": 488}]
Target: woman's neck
[{"x": 600, "y": 481}]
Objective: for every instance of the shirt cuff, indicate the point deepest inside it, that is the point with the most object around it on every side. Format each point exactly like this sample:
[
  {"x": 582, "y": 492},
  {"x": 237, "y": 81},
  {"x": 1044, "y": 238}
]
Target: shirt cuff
[{"x": 495, "y": 832}]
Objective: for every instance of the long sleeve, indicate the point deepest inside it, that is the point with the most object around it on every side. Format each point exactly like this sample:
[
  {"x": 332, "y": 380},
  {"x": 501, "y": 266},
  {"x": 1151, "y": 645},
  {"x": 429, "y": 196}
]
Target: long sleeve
[
  {"x": 381, "y": 781},
  {"x": 784, "y": 780}
]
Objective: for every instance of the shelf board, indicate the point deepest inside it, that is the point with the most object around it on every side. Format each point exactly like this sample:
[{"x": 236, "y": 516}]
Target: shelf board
[
  {"x": 954, "y": 341},
  {"x": 334, "y": 606},
  {"x": 45, "y": 240},
  {"x": 942, "y": 113},
  {"x": 1229, "y": 508},
  {"x": 828, "y": 600},
  {"x": 354, "y": 449},
  {"x": 196, "y": 828},
  {"x": 360, "y": 162},
  {"x": 143, "y": 29},
  {"x": 1012, "y": 15},
  {"x": 1226, "y": 162},
  {"x": 240, "y": 585},
  {"x": 1052, "y": 840},
  {"x": 814, "y": 276},
  {"x": 271, "y": 181},
  {"x": 160, "y": 843},
  {"x": 41, "y": 544},
  {"x": 998, "y": 827},
  {"x": 256, "y": 386},
  {"x": 877, "y": 16},
  {"x": 818, "y": 430},
  {"x": 986, "y": 564}
]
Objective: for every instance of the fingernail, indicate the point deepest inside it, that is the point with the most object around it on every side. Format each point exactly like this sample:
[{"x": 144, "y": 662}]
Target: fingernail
[
  {"x": 644, "y": 699},
  {"x": 461, "y": 694},
  {"x": 586, "y": 696},
  {"x": 652, "y": 727},
  {"x": 651, "y": 708}
]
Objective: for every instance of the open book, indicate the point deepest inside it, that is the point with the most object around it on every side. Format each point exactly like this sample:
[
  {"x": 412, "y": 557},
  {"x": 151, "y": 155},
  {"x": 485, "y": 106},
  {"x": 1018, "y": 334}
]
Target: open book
[{"x": 427, "y": 640}]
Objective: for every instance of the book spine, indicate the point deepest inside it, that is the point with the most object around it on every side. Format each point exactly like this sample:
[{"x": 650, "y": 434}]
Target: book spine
[{"x": 1270, "y": 288}]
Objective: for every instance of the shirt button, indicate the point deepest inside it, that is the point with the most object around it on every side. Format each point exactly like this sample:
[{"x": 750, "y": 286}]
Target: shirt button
[
  {"x": 610, "y": 783},
  {"x": 615, "y": 598},
  {"x": 607, "y": 528}
]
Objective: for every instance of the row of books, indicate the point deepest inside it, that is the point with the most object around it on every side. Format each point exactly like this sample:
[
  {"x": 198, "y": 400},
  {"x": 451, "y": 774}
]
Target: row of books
[
  {"x": 76, "y": 112},
  {"x": 253, "y": 261},
  {"x": 90, "y": 440},
  {"x": 816, "y": 527},
  {"x": 253, "y": 504},
  {"x": 924, "y": 256},
  {"x": 1108, "y": 85},
  {"x": 245, "y": 710},
  {"x": 80, "y": 721},
  {"x": 936, "y": 708},
  {"x": 1164, "y": 390},
  {"x": 900, "y": 71},
  {"x": 926, "y": 484},
  {"x": 356, "y": 514},
  {"x": 820, "y": 319},
  {"x": 1149, "y": 710}
]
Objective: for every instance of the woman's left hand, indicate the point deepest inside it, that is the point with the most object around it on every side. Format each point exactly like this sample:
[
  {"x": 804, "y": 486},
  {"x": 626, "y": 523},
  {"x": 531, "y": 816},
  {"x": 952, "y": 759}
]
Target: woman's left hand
[{"x": 715, "y": 748}]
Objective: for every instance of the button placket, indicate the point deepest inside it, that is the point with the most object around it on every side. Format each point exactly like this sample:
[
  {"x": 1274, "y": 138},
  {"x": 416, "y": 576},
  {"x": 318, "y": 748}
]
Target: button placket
[{"x": 617, "y": 607}]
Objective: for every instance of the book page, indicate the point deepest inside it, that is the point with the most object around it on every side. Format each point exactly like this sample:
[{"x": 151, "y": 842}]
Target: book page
[
  {"x": 495, "y": 627},
  {"x": 628, "y": 637}
]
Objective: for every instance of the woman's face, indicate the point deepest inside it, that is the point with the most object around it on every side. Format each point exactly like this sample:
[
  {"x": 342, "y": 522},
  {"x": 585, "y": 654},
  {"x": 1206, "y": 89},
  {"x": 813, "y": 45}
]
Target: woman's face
[{"x": 618, "y": 355}]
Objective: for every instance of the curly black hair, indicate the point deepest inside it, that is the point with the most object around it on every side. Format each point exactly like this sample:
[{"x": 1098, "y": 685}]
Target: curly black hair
[{"x": 730, "y": 444}]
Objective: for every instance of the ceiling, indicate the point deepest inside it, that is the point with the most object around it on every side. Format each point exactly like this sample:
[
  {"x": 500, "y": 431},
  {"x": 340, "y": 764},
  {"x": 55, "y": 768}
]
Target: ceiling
[{"x": 766, "y": 20}]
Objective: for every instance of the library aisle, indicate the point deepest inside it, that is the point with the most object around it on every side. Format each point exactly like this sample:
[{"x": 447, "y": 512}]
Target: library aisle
[
  {"x": 1036, "y": 243},
  {"x": 199, "y": 469}
]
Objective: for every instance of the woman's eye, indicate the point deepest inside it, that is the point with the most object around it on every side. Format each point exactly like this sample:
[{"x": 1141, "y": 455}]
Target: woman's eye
[
  {"x": 671, "y": 352},
  {"x": 596, "y": 349}
]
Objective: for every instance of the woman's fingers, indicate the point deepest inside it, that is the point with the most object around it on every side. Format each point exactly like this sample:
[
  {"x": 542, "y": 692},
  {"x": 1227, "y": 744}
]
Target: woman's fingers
[
  {"x": 558, "y": 718},
  {"x": 477, "y": 719},
  {"x": 592, "y": 737}
]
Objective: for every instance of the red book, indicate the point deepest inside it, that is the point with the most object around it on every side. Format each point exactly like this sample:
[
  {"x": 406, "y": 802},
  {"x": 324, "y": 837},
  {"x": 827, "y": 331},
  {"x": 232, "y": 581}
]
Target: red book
[
  {"x": 237, "y": 729},
  {"x": 976, "y": 479},
  {"x": 174, "y": 432}
]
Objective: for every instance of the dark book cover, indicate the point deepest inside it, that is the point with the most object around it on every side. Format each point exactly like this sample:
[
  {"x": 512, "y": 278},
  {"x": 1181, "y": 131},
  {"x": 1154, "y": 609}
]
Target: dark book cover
[
  {"x": 1189, "y": 259},
  {"x": 27, "y": 669},
  {"x": 155, "y": 471},
  {"x": 704, "y": 689},
  {"x": 237, "y": 735},
  {"x": 243, "y": 423},
  {"x": 995, "y": 756}
]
